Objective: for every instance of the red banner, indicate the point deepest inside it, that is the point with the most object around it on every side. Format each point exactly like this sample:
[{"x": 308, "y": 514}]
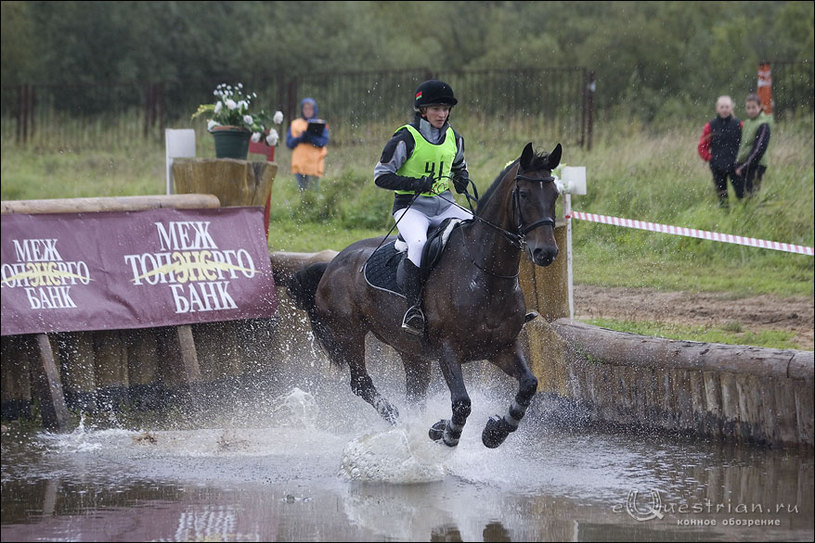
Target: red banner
[{"x": 108, "y": 271}]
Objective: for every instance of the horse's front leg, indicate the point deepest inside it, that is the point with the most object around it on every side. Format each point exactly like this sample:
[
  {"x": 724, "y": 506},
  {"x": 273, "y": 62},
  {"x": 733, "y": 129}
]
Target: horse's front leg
[
  {"x": 449, "y": 431},
  {"x": 514, "y": 365}
]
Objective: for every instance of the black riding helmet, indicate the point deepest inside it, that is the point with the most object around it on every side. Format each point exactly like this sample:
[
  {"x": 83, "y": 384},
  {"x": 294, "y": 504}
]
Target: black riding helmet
[{"x": 433, "y": 92}]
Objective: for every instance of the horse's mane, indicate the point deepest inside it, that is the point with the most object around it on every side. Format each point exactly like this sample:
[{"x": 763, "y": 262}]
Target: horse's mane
[{"x": 539, "y": 162}]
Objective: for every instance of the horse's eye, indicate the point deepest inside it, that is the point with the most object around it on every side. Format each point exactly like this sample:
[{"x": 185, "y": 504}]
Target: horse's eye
[{"x": 523, "y": 194}]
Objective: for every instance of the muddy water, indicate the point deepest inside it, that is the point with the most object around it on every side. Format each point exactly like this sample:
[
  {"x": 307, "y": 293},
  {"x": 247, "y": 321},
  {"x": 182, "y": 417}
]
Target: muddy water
[{"x": 308, "y": 461}]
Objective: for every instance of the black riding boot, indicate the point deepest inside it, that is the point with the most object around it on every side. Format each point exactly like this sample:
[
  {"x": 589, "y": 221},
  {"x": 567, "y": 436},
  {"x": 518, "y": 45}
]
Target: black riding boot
[{"x": 413, "y": 323}]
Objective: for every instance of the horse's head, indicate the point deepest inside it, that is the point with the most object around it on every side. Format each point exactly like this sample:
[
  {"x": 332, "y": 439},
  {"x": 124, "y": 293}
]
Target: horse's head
[{"x": 535, "y": 195}]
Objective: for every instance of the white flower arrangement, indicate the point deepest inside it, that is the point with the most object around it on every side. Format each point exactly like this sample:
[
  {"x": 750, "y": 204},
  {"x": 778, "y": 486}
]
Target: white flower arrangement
[{"x": 232, "y": 109}]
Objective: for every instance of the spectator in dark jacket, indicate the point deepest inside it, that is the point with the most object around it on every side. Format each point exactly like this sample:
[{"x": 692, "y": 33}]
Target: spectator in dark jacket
[
  {"x": 751, "y": 162},
  {"x": 719, "y": 146}
]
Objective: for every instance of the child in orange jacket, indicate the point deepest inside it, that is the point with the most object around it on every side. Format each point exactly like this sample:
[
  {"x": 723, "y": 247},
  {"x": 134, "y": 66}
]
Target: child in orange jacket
[{"x": 309, "y": 150}]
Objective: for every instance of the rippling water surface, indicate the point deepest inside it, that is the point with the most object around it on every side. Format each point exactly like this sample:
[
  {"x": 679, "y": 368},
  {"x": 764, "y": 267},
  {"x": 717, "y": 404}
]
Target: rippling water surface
[{"x": 317, "y": 464}]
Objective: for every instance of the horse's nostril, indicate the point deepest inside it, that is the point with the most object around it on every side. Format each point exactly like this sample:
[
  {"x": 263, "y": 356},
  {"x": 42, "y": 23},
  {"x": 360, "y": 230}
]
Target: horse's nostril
[{"x": 544, "y": 257}]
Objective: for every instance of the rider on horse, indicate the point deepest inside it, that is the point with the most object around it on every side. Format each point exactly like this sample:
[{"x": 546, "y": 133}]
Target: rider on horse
[{"x": 419, "y": 163}]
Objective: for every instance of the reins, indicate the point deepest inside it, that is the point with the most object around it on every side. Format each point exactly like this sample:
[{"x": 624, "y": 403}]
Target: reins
[
  {"x": 518, "y": 239},
  {"x": 412, "y": 200}
]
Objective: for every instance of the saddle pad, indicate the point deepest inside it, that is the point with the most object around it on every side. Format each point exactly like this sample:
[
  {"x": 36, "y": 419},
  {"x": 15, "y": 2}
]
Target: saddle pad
[{"x": 380, "y": 269}]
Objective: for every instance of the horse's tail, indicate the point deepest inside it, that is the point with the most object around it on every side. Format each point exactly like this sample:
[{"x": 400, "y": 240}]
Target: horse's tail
[{"x": 303, "y": 285}]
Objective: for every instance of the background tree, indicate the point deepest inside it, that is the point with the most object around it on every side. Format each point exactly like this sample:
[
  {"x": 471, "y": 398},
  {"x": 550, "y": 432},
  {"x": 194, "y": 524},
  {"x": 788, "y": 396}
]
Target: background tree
[{"x": 650, "y": 58}]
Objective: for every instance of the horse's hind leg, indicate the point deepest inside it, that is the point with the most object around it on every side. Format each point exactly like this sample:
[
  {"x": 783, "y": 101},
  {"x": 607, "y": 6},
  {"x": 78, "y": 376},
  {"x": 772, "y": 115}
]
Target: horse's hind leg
[
  {"x": 498, "y": 428},
  {"x": 417, "y": 378},
  {"x": 353, "y": 353}
]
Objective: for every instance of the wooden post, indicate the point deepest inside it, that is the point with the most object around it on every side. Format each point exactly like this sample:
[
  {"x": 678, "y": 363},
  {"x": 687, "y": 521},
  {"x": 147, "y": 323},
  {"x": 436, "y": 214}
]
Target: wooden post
[
  {"x": 234, "y": 182},
  {"x": 48, "y": 387},
  {"x": 182, "y": 355},
  {"x": 546, "y": 289}
]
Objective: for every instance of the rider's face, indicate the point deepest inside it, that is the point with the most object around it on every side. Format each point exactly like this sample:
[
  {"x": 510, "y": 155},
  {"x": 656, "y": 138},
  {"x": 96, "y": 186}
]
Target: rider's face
[{"x": 437, "y": 115}]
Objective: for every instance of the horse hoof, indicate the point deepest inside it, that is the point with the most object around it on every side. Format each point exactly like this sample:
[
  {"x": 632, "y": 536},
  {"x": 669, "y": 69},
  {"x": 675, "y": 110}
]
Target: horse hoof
[
  {"x": 391, "y": 415},
  {"x": 388, "y": 412},
  {"x": 494, "y": 432},
  {"x": 437, "y": 430},
  {"x": 532, "y": 315}
]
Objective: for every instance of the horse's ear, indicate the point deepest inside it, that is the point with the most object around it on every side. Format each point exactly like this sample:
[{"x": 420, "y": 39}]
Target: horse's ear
[
  {"x": 526, "y": 156},
  {"x": 554, "y": 157}
]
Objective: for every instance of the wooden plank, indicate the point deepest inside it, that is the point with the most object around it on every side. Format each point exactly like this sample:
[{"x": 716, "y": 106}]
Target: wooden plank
[
  {"x": 110, "y": 367},
  {"x": 78, "y": 365},
  {"x": 217, "y": 349},
  {"x": 111, "y": 203},
  {"x": 15, "y": 380},
  {"x": 804, "y": 411},
  {"x": 731, "y": 426},
  {"x": 713, "y": 403},
  {"x": 784, "y": 419}
]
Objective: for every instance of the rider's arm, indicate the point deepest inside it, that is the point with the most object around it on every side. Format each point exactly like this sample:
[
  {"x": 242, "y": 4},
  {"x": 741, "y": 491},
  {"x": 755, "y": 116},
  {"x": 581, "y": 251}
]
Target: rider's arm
[
  {"x": 459, "y": 164},
  {"x": 395, "y": 153}
]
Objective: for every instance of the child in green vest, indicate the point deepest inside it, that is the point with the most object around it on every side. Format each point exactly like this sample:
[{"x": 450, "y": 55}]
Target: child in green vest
[
  {"x": 420, "y": 163},
  {"x": 751, "y": 161}
]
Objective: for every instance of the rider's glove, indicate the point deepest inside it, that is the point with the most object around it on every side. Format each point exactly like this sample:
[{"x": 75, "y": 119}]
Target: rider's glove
[
  {"x": 461, "y": 181},
  {"x": 425, "y": 184}
]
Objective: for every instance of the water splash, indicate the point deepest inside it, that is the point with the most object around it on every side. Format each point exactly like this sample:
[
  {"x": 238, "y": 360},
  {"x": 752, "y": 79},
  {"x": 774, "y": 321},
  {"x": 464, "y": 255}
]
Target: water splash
[
  {"x": 402, "y": 455},
  {"x": 295, "y": 408}
]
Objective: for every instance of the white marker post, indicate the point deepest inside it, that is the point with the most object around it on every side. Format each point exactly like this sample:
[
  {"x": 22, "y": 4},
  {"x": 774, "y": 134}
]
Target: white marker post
[{"x": 573, "y": 179}]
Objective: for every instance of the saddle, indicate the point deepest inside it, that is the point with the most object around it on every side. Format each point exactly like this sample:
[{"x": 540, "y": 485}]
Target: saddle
[{"x": 380, "y": 268}]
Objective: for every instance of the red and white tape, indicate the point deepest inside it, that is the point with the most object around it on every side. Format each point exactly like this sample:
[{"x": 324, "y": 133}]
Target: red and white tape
[{"x": 690, "y": 232}]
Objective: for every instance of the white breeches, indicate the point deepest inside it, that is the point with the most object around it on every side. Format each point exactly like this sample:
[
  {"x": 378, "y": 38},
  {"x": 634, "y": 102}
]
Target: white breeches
[{"x": 413, "y": 226}]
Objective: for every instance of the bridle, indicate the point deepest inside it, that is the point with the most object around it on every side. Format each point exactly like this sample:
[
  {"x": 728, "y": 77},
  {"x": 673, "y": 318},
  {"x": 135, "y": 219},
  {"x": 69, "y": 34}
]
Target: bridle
[
  {"x": 523, "y": 229},
  {"x": 518, "y": 239}
]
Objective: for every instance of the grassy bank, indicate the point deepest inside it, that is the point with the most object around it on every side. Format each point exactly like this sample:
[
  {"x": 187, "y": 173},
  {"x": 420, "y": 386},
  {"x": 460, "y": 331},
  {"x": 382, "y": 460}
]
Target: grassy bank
[{"x": 633, "y": 172}]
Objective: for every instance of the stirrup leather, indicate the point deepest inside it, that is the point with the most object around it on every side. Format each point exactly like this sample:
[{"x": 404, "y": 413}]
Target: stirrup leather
[{"x": 413, "y": 323}]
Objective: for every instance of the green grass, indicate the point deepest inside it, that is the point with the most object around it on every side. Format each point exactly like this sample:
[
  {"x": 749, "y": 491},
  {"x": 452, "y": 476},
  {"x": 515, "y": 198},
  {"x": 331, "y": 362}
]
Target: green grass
[
  {"x": 731, "y": 333},
  {"x": 633, "y": 171}
]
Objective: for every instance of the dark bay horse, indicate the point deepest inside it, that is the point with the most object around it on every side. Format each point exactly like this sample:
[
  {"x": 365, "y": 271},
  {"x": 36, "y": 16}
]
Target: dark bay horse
[{"x": 473, "y": 304}]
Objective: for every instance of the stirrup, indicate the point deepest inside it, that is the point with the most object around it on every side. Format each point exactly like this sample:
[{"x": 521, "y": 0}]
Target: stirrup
[{"x": 413, "y": 323}]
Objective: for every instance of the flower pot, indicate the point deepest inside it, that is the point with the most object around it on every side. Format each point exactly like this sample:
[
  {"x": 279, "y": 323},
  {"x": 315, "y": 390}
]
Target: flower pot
[{"x": 231, "y": 142}]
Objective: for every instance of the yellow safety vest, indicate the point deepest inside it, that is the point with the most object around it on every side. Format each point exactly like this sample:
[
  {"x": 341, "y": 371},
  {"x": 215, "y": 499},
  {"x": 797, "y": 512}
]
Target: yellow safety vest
[{"x": 430, "y": 159}]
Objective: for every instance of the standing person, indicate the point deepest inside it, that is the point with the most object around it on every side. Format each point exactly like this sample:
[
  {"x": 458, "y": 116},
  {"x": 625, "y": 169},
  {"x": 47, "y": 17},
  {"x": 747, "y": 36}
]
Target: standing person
[
  {"x": 751, "y": 161},
  {"x": 309, "y": 148},
  {"x": 719, "y": 146},
  {"x": 419, "y": 163}
]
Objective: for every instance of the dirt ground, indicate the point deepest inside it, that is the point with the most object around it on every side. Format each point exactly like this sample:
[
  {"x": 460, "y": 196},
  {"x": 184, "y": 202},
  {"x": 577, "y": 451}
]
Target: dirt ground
[{"x": 710, "y": 309}]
